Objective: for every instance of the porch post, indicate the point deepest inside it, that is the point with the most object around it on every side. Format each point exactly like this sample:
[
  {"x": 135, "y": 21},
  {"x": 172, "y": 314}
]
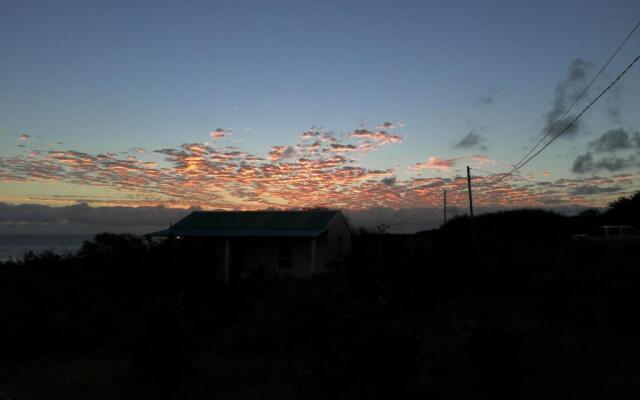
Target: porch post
[
  {"x": 227, "y": 260},
  {"x": 313, "y": 256}
]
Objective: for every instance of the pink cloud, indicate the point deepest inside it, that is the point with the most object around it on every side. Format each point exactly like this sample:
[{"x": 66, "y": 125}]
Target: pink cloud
[
  {"x": 343, "y": 148},
  {"x": 310, "y": 134},
  {"x": 219, "y": 133},
  {"x": 481, "y": 159},
  {"x": 278, "y": 153},
  {"x": 380, "y": 136},
  {"x": 436, "y": 163},
  {"x": 310, "y": 172}
]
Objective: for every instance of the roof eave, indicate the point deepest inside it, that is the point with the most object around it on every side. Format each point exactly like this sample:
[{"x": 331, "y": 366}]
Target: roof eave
[{"x": 266, "y": 233}]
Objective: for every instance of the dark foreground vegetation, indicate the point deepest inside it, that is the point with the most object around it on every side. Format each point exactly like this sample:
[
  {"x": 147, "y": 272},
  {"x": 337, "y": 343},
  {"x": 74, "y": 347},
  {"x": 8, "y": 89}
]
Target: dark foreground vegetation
[{"x": 525, "y": 314}]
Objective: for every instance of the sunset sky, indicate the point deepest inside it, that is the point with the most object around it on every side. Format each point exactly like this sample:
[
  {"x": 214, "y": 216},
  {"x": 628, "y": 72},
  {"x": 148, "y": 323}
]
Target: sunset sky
[{"x": 287, "y": 104}]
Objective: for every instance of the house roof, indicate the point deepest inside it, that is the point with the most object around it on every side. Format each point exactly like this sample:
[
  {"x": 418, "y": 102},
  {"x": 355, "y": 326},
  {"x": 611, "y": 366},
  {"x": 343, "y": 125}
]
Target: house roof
[{"x": 251, "y": 224}]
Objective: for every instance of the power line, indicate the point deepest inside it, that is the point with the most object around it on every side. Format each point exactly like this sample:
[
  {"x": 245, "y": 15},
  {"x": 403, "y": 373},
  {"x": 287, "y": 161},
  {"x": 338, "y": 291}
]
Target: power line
[
  {"x": 579, "y": 115},
  {"x": 485, "y": 171},
  {"x": 526, "y": 179},
  {"x": 497, "y": 173},
  {"x": 485, "y": 176},
  {"x": 573, "y": 121},
  {"x": 580, "y": 96},
  {"x": 584, "y": 91}
]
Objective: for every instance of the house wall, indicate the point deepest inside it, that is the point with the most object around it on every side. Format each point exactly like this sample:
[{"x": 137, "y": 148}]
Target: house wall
[
  {"x": 337, "y": 243},
  {"x": 265, "y": 253},
  {"x": 216, "y": 251}
]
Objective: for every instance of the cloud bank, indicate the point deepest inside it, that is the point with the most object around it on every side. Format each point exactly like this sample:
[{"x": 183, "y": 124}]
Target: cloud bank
[
  {"x": 615, "y": 150},
  {"x": 83, "y": 219},
  {"x": 470, "y": 141},
  {"x": 566, "y": 92},
  {"x": 321, "y": 169}
]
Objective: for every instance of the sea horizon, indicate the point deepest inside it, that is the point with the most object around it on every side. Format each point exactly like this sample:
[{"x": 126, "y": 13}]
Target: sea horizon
[{"x": 16, "y": 245}]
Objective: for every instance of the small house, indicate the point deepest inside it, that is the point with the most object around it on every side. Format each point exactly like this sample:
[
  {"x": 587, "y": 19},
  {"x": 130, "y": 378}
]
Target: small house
[{"x": 299, "y": 243}]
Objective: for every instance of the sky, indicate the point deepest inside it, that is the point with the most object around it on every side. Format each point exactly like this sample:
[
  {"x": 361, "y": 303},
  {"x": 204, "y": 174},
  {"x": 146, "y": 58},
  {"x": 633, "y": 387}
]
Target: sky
[{"x": 357, "y": 105}]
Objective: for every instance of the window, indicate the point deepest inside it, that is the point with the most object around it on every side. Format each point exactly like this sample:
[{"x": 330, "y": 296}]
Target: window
[
  {"x": 285, "y": 256},
  {"x": 629, "y": 231}
]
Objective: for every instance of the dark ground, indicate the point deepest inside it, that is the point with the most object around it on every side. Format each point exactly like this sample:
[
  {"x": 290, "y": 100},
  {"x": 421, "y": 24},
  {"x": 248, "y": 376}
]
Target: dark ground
[{"x": 525, "y": 315}]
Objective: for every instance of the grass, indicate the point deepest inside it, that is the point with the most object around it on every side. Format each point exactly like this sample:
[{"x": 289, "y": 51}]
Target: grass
[{"x": 547, "y": 317}]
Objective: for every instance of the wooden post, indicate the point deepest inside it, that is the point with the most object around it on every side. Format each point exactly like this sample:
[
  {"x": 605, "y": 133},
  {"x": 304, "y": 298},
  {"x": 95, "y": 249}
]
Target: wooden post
[
  {"x": 445, "y": 206},
  {"x": 227, "y": 260},
  {"x": 470, "y": 203},
  {"x": 313, "y": 256}
]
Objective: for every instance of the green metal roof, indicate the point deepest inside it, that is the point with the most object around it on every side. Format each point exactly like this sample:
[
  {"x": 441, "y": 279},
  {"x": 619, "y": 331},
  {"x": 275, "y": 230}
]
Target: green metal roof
[
  {"x": 235, "y": 233},
  {"x": 252, "y": 224}
]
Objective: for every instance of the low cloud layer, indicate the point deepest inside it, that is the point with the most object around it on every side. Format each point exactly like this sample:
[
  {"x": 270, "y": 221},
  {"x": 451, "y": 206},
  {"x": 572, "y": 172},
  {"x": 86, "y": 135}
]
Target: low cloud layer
[
  {"x": 589, "y": 190},
  {"x": 83, "y": 219},
  {"x": 321, "y": 169}
]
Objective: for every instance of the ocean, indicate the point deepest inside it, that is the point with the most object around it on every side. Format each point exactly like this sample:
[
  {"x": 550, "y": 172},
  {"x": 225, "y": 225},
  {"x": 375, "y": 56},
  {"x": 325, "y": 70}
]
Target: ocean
[{"x": 14, "y": 246}]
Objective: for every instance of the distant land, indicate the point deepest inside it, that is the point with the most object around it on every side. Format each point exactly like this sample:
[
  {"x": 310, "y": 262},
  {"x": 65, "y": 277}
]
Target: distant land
[{"x": 86, "y": 220}]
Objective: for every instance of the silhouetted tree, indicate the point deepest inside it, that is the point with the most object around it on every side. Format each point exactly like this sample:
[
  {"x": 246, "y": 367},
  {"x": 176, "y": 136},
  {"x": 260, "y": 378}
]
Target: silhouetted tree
[{"x": 625, "y": 211}]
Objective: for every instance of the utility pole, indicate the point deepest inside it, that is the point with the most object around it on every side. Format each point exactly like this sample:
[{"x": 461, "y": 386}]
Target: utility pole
[
  {"x": 445, "y": 206},
  {"x": 470, "y": 203}
]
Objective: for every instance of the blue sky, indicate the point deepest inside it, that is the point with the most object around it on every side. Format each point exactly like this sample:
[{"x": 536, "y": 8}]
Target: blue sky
[{"x": 108, "y": 76}]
